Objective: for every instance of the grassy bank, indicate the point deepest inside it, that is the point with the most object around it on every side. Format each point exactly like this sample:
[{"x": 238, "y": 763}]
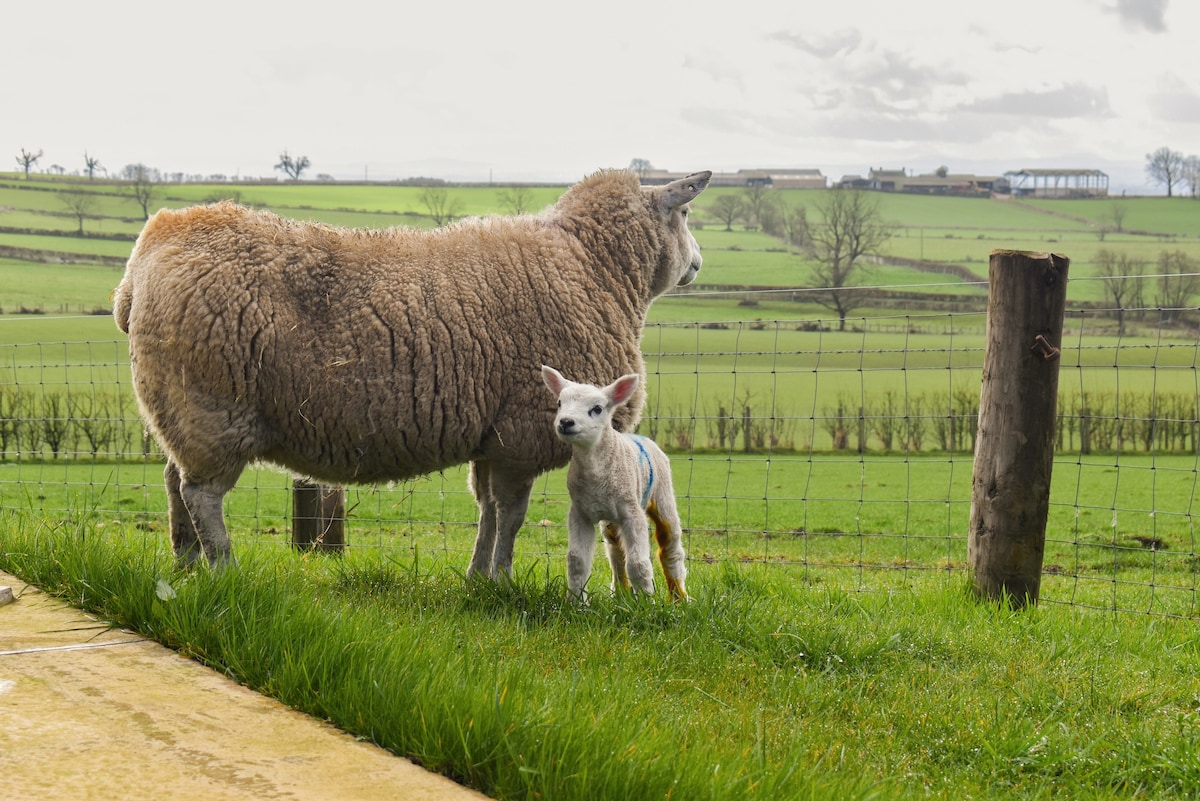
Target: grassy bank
[{"x": 760, "y": 688}]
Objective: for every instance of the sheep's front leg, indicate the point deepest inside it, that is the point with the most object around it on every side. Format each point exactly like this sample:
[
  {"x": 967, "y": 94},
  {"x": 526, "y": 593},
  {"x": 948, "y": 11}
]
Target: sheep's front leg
[
  {"x": 616, "y": 555},
  {"x": 203, "y": 501},
  {"x": 503, "y": 500},
  {"x": 635, "y": 536},
  {"x": 511, "y": 494},
  {"x": 485, "y": 538},
  {"x": 581, "y": 548}
]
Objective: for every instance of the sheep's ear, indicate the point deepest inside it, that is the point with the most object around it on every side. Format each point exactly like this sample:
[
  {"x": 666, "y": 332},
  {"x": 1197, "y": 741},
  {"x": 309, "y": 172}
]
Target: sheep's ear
[
  {"x": 554, "y": 380},
  {"x": 677, "y": 193},
  {"x": 621, "y": 390}
]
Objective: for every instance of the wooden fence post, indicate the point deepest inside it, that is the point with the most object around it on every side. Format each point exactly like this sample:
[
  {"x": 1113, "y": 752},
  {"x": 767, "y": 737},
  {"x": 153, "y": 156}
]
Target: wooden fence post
[
  {"x": 318, "y": 516},
  {"x": 1014, "y": 453}
]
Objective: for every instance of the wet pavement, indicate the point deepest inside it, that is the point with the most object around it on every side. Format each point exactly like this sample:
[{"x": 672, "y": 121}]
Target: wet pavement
[{"x": 92, "y": 712}]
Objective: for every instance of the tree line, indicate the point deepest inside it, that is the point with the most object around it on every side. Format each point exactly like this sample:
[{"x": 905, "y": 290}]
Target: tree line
[{"x": 1173, "y": 170}]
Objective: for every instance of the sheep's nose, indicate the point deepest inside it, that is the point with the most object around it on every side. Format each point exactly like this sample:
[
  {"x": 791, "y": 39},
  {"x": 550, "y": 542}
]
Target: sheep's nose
[{"x": 565, "y": 425}]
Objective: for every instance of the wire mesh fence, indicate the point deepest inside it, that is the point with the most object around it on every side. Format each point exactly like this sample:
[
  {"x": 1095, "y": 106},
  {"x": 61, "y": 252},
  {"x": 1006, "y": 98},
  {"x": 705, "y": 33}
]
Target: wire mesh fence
[{"x": 842, "y": 454}]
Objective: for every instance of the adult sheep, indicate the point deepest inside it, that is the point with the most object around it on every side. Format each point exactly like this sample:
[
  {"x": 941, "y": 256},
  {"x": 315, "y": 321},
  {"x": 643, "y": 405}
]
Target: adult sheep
[{"x": 356, "y": 356}]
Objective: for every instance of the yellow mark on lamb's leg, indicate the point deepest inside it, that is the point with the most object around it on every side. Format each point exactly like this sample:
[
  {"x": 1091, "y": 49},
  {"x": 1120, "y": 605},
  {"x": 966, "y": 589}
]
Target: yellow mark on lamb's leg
[
  {"x": 662, "y": 535},
  {"x": 616, "y": 555}
]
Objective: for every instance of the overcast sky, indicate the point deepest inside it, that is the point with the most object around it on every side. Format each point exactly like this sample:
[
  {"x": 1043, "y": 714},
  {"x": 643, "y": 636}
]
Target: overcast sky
[{"x": 520, "y": 91}]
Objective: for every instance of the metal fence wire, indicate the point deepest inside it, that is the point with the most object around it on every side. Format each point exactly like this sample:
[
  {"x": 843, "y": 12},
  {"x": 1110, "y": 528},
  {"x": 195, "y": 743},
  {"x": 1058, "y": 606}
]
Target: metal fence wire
[{"x": 842, "y": 454}]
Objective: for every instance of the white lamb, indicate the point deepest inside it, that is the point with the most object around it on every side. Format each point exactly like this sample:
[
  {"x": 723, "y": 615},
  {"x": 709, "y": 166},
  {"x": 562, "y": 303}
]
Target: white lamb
[{"x": 616, "y": 479}]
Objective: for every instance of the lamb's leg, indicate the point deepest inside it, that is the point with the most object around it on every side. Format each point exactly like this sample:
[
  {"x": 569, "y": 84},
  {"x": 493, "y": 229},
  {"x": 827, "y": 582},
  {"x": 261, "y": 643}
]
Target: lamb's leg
[
  {"x": 616, "y": 555},
  {"x": 485, "y": 538},
  {"x": 203, "y": 501},
  {"x": 668, "y": 532},
  {"x": 635, "y": 536},
  {"x": 581, "y": 548},
  {"x": 184, "y": 541}
]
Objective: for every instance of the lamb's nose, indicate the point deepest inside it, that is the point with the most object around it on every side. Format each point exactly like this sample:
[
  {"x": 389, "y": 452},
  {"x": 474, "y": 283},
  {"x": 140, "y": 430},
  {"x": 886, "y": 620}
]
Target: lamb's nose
[{"x": 565, "y": 425}]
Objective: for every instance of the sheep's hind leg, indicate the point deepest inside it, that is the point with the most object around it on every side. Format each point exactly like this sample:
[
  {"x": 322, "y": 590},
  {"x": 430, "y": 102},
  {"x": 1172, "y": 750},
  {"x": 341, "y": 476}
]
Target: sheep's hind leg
[
  {"x": 203, "y": 502},
  {"x": 184, "y": 540},
  {"x": 616, "y": 555}
]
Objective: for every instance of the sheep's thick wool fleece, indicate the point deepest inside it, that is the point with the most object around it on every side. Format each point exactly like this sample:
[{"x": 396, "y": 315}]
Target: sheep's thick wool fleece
[{"x": 358, "y": 356}]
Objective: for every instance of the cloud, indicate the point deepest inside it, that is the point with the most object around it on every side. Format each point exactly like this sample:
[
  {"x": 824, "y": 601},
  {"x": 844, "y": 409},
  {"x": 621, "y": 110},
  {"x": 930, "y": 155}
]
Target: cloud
[
  {"x": 1175, "y": 102},
  {"x": 1144, "y": 14},
  {"x": 843, "y": 66},
  {"x": 820, "y": 45},
  {"x": 1071, "y": 100}
]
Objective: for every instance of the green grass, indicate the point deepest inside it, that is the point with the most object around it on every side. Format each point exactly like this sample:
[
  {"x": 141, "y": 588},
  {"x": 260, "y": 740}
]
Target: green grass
[
  {"x": 55, "y": 288},
  {"x": 762, "y": 687}
]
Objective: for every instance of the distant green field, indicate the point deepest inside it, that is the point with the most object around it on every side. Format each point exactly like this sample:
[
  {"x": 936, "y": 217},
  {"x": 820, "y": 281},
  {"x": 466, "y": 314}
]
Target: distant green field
[{"x": 958, "y": 232}]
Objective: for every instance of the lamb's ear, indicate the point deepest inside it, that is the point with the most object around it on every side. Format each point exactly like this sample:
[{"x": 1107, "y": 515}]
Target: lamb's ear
[
  {"x": 554, "y": 380},
  {"x": 676, "y": 193},
  {"x": 621, "y": 390}
]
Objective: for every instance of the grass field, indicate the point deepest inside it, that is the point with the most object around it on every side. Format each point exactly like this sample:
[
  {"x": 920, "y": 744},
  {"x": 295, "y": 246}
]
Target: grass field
[{"x": 766, "y": 685}]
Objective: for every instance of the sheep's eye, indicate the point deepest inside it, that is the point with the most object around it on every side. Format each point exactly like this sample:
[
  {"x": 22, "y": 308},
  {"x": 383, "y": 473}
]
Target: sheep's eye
[
  {"x": 685, "y": 212},
  {"x": 596, "y": 411},
  {"x": 560, "y": 404}
]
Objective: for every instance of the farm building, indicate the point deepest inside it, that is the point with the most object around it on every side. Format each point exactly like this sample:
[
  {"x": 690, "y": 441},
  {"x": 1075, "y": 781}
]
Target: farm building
[
  {"x": 853, "y": 182},
  {"x": 886, "y": 180},
  {"x": 1058, "y": 183},
  {"x": 950, "y": 184}
]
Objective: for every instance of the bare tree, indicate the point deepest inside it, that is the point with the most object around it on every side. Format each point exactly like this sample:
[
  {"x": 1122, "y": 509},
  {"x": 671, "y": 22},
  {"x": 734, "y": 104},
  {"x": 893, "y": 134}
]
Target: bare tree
[
  {"x": 79, "y": 202},
  {"x": 728, "y": 209},
  {"x": 1191, "y": 175},
  {"x": 1121, "y": 279},
  {"x": 442, "y": 207},
  {"x": 27, "y": 159},
  {"x": 516, "y": 199},
  {"x": 292, "y": 167},
  {"x": 641, "y": 167},
  {"x": 1178, "y": 283},
  {"x": 142, "y": 180},
  {"x": 852, "y": 227},
  {"x": 793, "y": 225},
  {"x": 1116, "y": 215},
  {"x": 1165, "y": 166},
  {"x": 756, "y": 200},
  {"x": 90, "y": 165}
]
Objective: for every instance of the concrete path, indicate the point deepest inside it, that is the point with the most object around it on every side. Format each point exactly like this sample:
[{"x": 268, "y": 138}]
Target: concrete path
[{"x": 92, "y": 712}]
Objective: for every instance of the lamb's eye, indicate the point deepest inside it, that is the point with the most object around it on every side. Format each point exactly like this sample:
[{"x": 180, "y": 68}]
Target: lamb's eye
[
  {"x": 596, "y": 411},
  {"x": 685, "y": 212},
  {"x": 560, "y": 404}
]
